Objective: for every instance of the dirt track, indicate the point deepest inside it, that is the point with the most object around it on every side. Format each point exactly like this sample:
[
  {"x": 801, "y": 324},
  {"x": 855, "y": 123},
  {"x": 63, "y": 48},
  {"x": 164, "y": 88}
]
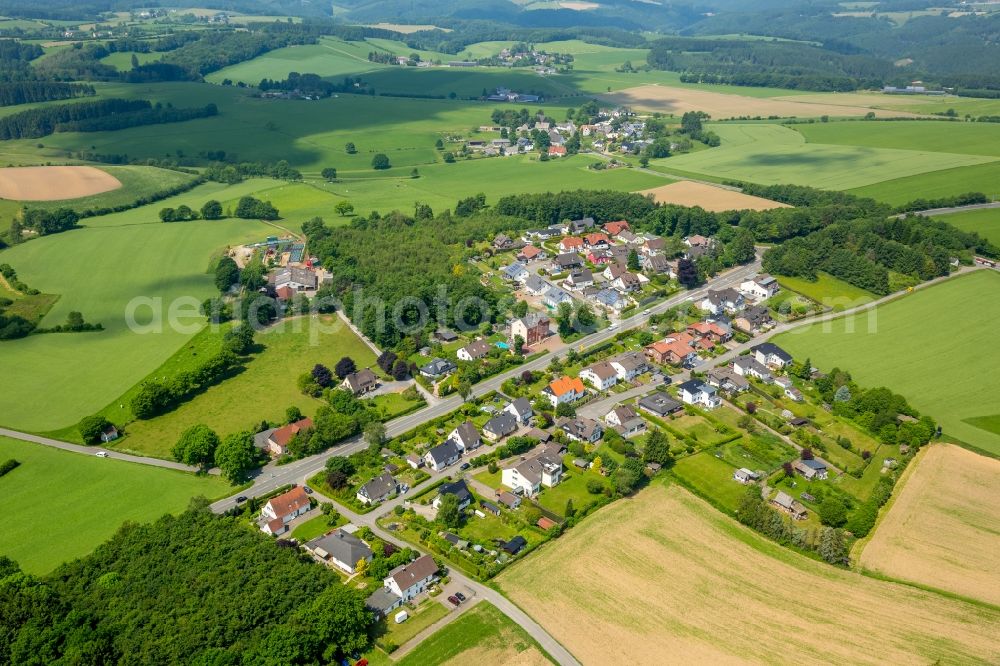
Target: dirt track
[
  {"x": 54, "y": 183},
  {"x": 714, "y": 199}
]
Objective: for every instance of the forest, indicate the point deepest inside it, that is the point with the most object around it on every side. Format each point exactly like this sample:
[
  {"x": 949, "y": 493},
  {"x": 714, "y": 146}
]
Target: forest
[
  {"x": 194, "y": 589},
  {"x": 97, "y": 116}
]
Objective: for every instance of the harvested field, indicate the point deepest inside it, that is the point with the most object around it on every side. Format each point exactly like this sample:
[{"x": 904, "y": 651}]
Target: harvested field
[
  {"x": 720, "y": 106},
  {"x": 941, "y": 530},
  {"x": 664, "y": 573},
  {"x": 407, "y": 28},
  {"x": 709, "y": 197},
  {"x": 54, "y": 183}
]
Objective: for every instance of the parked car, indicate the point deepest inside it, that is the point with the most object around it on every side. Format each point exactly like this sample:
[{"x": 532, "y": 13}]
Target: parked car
[
  {"x": 461, "y": 597},
  {"x": 454, "y": 600},
  {"x": 102, "y": 454},
  {"x": 464, "y": 465},
  {"x": 307, "y": 490}
]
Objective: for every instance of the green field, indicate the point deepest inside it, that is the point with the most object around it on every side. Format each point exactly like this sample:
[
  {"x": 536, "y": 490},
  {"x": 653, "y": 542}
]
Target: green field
[
  {"x": 935, "y": 346},
  {"x": 711, "y": 477},
  {"x": 123, "y": 59},
  {"x": 330, "y": 57},
  {"x": 936, "y": 136},
  {"x": 828, "y": 291},
  {"x": 98, "y": 271},
  {"x": 984, "y": 222},
  {"x": 773, "y": 154},
  {"x": 983, "y": 178},
  {"x": 62, "y": 505}
]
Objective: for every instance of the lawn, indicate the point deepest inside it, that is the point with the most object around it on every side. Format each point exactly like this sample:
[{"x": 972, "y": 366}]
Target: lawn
[
  {"x": 712, "y": 477},
  {"x": 828, "y": 291},
  {"x": 572, "y": 487},
  {"x": 262, "y": 391},
  {"x": 773, "y": 154},
  {"x": 62, "y": 505},
  {"x": 937, "y": 136},
  {"x": 984, "y": 222},
  {"x": 889, "y": 347},
  {"x": 427, "y": 613},
  {"x": 315, "y": 527}
]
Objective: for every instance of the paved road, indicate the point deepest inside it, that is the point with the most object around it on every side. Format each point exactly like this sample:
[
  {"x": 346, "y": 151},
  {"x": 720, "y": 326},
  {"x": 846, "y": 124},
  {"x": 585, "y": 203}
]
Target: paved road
[
  {"x": 953, "y": 209},
  {"x": 596, "y": 409},
  {"x": 92, "y": 450}
]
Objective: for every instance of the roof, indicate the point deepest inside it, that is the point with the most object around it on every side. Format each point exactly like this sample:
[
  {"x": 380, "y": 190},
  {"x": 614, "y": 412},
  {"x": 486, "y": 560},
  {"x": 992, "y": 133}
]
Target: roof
[
  {"x": 771, "y": 349},
  {"x": 630, "y": 361},
  {"x": 283, "y": 435},
  {"x": 677, "y": 347},
  {"x": 289, "y": 502},
  {"x": 502, "y": 424},
  {"x": 583, "y": 275},
  {"x": 580, "y": 427},
  {"x": 468, "y": 432},
  {"x": 379, "y": 486},
  {"x": 616, "y": 227},
  {"x": 438, "y": 366},
  {"x": 508, "y": 499},
  {"x": 571, "y": 241},
  {"x": 515, "y": 269},
  {"x": 814, "y": 464},
  {"x": 530, "y": 251},
  {"x": 446, "y": 334},
  {"x": 596, "y": 237},
  {"x": 603, "y": 370},
  {"x": 623, "y": 413},
  {"x": 565, "y": 384},
  {"x": 410, "y": 574},
  {"x": 341, "y": 546},
  {"x": 515, "y": 545},
  {"x": 443, "y": 452},
  {"x": 567, "y": 259},
  {"x": 533, "y": 319},
  {"x": 477, "y": 349},
  {"x": 521, "y": 406},
  {"x": 659, "y": 403},
  {"x": 382, "y": 600},
  {"x": 361, "y": 379},
  {"x": 535, "y": 283},
  {"x": 458, "y": 489}
]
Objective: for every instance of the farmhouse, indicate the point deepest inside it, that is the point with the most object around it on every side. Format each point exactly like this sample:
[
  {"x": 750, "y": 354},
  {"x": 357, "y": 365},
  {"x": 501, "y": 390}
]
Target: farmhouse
[
  {"x": 340, "y": 549},
  {"x": 581, "y": 429},
  {"x": 361, "y": 382},
  {"x": 694, "y": 392},
  {"x": 378, "y": 489},
  {"x": 283, "y": 509},
  {"x": 528, "y": 475},
  {"x": 294, "y": 278},
  {"x": 564, "y": 390},
  {"x": 600, "y": 375},
  {"x": 659, "y": 404},
  {"x": 442, "y": 455},
  {"x": 473, "y": 351},
  {"x": 810, "y": 469},
  {"x": 279, "y": 439},
  {"x": 500, "y": 426},
  {"x": 458, "y": 489},
  {"x": 466, "y": 436},
  {"x": 411, "y": 579},
  {"x": 532, "y": 328},
  {"x": 771, "y": 355},
  {"x": 789, "y": 505},
  {"x": 521, "y": 410}
]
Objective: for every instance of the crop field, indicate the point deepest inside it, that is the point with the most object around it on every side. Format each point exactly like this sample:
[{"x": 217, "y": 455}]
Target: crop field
[
  {"x": 330, "y": 57},
  {"x": 984, "y": 222},
  {"x": 772, "y": 154},
  {"x": 936, "y": 136},
  {"x": 466, "y": 82},
  {"x": 98, "y": 271},
  {"x": 983, "y": 178},
  {"x": 52, "y": 183},
  {"x": 679, "y": 578},
  {"x": 940, "y": 530},
  {"x": 715, "y": 199},
  {"x": 261, "y": 392},
  {"x": 723, "y": 105},
  {"x": 920, "y": 104},
  {"x": 828, "y": 291},
  {"x": 84, "y": 499},
  {"x": 910, "y": 345}
]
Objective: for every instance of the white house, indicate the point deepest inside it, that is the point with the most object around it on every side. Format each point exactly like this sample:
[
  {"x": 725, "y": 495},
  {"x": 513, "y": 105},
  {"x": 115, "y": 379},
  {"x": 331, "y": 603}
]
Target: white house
[
  {"x": 771, "y": 355},
  {"x": 378, "y": 489},
  {"x": 745, "y": 476},
  {"x": 466, "y": 436},
  {"x": 458, "y": 489},
  {"x": 760, "y": 288},
  {"x": 564, "y": 390},
  {"x": 748, "y": 366},
  {"x": 629, "y": 365},
  {"x": 601, "y": 375},
  {"x": 694, "y": 392},
  {"x": 722, "y": 300},
  {"x": 528, "y": 475},
  {"x": 442, "y": 455},
  {"x": 536, "y": 286},
  {"x": 473, "y": 351},
  {"x": 283, "y": 509},
  {"x": 521, "y": 410},
  {"x": 411, "y": 579},
  {"x": 340, "y": 549}
]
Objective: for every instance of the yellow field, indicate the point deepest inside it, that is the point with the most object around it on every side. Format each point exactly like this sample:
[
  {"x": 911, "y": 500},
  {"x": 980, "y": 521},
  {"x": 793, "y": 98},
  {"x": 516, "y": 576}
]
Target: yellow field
[
  {"x": 941, "y": 530},
  {"x": 709, "y": 197},
  {"x": 665, "y": 577},
  {"x": 53, "y": 183},
  {"x": 723, "y": 105}
]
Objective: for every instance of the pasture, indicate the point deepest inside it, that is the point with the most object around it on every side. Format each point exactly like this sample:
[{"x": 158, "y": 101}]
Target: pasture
[
  {"x": 54, "y": 183},
  {"x": 681, "y": 579},
  {"x": 984, "y": 222},
  {"x": 940, "y": 530},
  {"x": 910, "y": 346},
  {"x": 715, "y": 199},
  {"x": 828, "y": 291},
  {"x": 773, "y": 154},
  {"x": 983, "y": 178},
  {"x": 936, "y": 136},
  {"x": 84, "y": 500},
  {"x": 330, "y": 57}
]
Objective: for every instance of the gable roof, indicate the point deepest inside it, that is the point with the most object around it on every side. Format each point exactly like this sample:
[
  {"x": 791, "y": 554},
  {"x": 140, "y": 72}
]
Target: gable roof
[
  {"x": 477, "y": 349},
  {"x": 521, "y": 406},
  {"x": 771, "y": 349},
  {"x": 410, "y": 574},
  {"x": 614, "y": 228},
  {"x": 571, "y": 241},
  {"x": 468, "y": 432},
  {"x": 565, "y": 384},
  {"x": 603, "y": 370},
  {"x": 530, "y": 252},
  {"x": 623, "y": 413},
  {"x": 458, "y": 489},
  {"x": 358, "y": 381},
  {"x": 444, "y": 451},
  {"x": 289, "y": 502},
  {"x": 341, "y": 546},
  {"x": 283, "y": 435},
  {"x": 379, "y": 486},
  {"x": 502, "y": 424}
]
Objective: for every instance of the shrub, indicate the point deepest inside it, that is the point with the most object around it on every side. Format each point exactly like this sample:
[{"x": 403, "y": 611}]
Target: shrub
[{"x": 8, "y": 466}]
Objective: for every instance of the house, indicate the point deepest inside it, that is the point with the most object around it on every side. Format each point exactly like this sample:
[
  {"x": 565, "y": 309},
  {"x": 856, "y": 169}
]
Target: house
[
  {"x": 466, "y": 436},
  {"x": 442, "y": 455},
  {"x": 279, "y": 439},
  {"x": 565, "y": 390},
  {"x": 566, "y": 262},
  {"x": 788, "y": 387},
  {"x": 580, "y": 226},
  {"x": 659, "y": 404},
  {"x": 361, "y": 382},
  {"x": 414, "y": 461},
  {"x": 411, "y": 579},
  {"x": 381, "y": 602},
  {"x": 600, "y": 257},
  {"x": 437, "y": 368},
  {"x": 600, "y": 375},
  {"x": 627, "y": 282},
  {"x": 532, "y": 328},
  {"x": 556, "y": 151},
  {"x": 629, "y": 365},
  {"x": 810, "y": 469},
  {"x": 473, "y": 351},
  {"x": 293, "y": 277},
  {"x": 747, "y": 366},
  {"x": 542, "y": 436},
  {"x": 694, "y": 392},
  {"x": 531, "y": 253},
  {"x": 521, "y": 410},
  {"x": 789, "y": 505},
  {"x": 671, "y": 350},
  {"x": 378, "y": 489},
  {"x": 581, "y": 429},
  {"x": 578, "y": 280},
  {"x": 625, "y": 420},
  {"x": 760, "y": 288},
  {"x": 745, "y": 476},
  {"x": 536, "y": 286},
  {"x": 657, "y": 264},
  {"x": 556, "y": 139},
  {"x": 718, "y": 301},
  {"x": 571, "y": 244},
  {"x": 653, "y": 245},
  {"x": 771, "y": 355},
  {"x": 515, "y": 545},
  {"x": 509, "y": 500},
  {"x": 596, "y": 240},
  {"x": 727, "y": 380},
  {"x": 455, "y": 540},
  {"x": 714, "y": 331},
  {"x": 458, "y": 489},
  {"x": 555, "y": 296},
  {"x": 500, "y": 426},
  {"x": 341, "y": 549},
  {"x": 503, "y": 241},
  {"x": 698, "y": 241},
  {"x": 615, "y": 228},
  {"x": 610, "y": 300},
  {"x": 528, "y": 475},
  {"x": 516, "y": 272},
  {"x": 753, "y": 320},
  {"x": 445, "y": 335},
  {"x": 283, "y": 509},
  {"x": 109, "y": 434}
]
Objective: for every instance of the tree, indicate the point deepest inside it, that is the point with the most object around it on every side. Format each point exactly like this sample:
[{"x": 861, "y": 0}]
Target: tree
[
  {"x": 570, "y": 510},
  {"x": 259, "y": 309},
  {"x": 135, "y": 61},
  {"x": 329, "y": 174},
  {"x": 91, "y": 427},
  {"x": 340, "y": 464},
  {"x": 322, "y": 375},
  {"x": 633, "y": 261},
  {"x": 657, "y": 448},
  {"x": 400, "y": 370},
  {"x": 361, "y": 567},
  {"x": 374, "y": 432},
  {"x": 239, "y": 339},
  {"x": 380, "y": 162},
  {"x": 806, "y": 454},
  {"x": 211, "y": 210},
  {"x": 196, "y": 446},
  {"x": 168, "y": 215},
  {"x": 464, "y": 389},
  {"x": 74, "y": 321},
  {"x": 293, "y": 414},
  {"x": 520, "y": 309},
  {"x": 833, "y": 512},
  {"x": 344, "y": 207},
  {"x": 448, "y": 512},
  {"x": 350, "y": 148},
  {"x": 833, "y": 546},
  {"x": 344, "y": 367},
  {"x": 843, "y": 394},
  {"x": 236, "y": 456},
  {"x": 741, "y": 249},
  {"x": 687, "y": 273},
  {"x": 566, "y": 409},
  {"x": 227, "y": 273},
  {"x": 448, "y": 157},
  {"x": 439, "y": 144}
]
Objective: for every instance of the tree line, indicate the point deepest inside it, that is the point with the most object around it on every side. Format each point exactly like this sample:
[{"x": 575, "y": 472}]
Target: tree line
[
  {"x": 27, "y": 92},
  {"x": 95, "y": 116}
]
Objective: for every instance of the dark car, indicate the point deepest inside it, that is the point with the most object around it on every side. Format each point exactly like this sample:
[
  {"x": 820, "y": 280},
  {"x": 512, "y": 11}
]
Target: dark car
[
  {"x": 461, "y": 597},
  {"x": 307, "y": 490},
  {"x": 454, "y": 600},
  {"x": 241, "y": 499},
  {"x": 464, "y": 465}
]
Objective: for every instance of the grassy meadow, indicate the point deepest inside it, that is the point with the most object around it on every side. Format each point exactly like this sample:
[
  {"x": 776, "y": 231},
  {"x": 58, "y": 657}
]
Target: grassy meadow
[
  {"x": 331, "y": 57},
  {"x": 910, "y": 346},
  {"x": 829, "y": 291},
  {"x": 62, "y": 505},
  {"x": 936, "y": 136},
  {"x": 985, "y": 222}
]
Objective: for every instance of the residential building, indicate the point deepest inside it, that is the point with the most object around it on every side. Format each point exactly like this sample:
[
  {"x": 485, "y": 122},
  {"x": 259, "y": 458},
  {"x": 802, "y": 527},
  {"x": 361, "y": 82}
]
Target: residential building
[
  {"x": 565, "y": 390},
  {"x": 810, "y": 469},
  {"x": 566, "y": 262},
  {"x": 597, "y": 240},
  {"x": 718, "y": 301},
  {"x": 378, "y": 490},
  {"x": 341, "y": 549},
  {"x": 442, "y": 455},
  {"x": 629, "y": 365},
  {"x": 671, "y": 350},
  {"x": 745, "y": 476},
  {"x": 771, "y": 355},
  {"x": 581, "y": 429},
  {"x": 580, "y": 226},
  {"x": 747, "y": 366},
  {"x": 657, "y": 264},
  {"x": 531, "y": 253},
  {"x": 698, "y": 241},
  {"x": 473, "y": 351},
  {"x": 615, "y": 228},
  {"x": 653, "y": 245},
  {"x": 528, "y": 475},
  {"x": 536, "y": 286},
  {"x": 789, "y": 505},
  {"x": 600, "y": 375},
  {"x": 466, "y": 436},
  {"x": 109, "y": 434},
  {"x": 659, "y": 404},
  {"x": 554, "y": 296},
  {"x": 711, "y": 330},
  {"x": 458, "y": 489},
  {"x": 578, "y": 280},
  {"x": 361, "y": 382},
  {"x": 515, "y": 272},
  {"x": 611, "y": 300},
  {"x": 411, "y": 579},
  {"x": 727, "y": 380},
  {"x": 382, "y": 601},
  {"x": 571, "y": 244},
  {"x": 283, "y": 509},
  {"x": 625, "y": 420},
  {"x": 532, "y": 328},
  {"x": 521, "y": 410},
  {"x": 438, "y": 367},
  {"x": 695, "y": 392},
  {"x": 627, "y": 282},
  {"x": 500, "y": 426},
  {"x": 279, "y": 439},
  {"x": 753, "y": 320},
  {"x": 760, "y": 288}
]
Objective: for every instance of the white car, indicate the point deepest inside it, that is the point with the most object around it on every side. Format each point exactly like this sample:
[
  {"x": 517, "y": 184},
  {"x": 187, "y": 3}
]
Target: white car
[
  {"x": 645, "y": 312},
  {"x": 612, "y": 327},
  {"x": 102, "y": 454}
]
